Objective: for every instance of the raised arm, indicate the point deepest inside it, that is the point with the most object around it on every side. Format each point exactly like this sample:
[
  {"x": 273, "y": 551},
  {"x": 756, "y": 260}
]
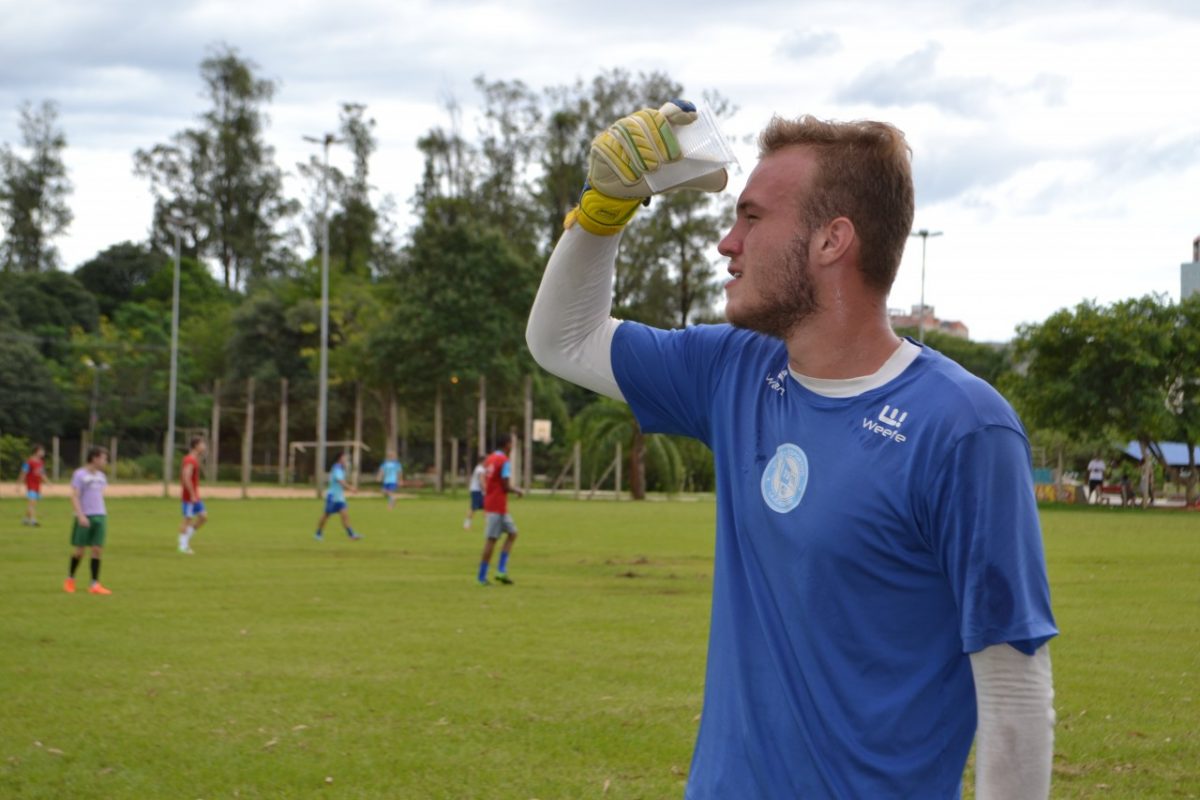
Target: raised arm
[{"x": 570, "y": 329}]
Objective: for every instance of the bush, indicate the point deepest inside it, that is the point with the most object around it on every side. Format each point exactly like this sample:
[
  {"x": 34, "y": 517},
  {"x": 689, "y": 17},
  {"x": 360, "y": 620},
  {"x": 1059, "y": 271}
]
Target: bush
[
  {"x": 148, "y": 465},
  {"x": 13, "y": 452},
  {"x": 131, "y": 469}
]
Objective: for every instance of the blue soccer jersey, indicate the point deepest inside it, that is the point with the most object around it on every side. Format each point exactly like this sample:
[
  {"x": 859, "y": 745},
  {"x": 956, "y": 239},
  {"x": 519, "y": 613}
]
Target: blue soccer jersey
[
  {"x": 336, "y": 492},
  {"x": 391, "y": 471},
  {"x": 865, "y": 546}
]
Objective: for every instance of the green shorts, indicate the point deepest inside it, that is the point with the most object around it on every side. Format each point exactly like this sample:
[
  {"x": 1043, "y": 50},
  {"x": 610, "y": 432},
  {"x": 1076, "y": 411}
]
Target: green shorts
[{"x": 91, "y": 536}]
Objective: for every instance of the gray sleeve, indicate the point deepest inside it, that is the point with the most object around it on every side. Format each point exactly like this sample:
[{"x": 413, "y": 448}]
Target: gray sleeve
[
  {"x": 570, "y": 329},
  {"x": 1014, "y": 741}
]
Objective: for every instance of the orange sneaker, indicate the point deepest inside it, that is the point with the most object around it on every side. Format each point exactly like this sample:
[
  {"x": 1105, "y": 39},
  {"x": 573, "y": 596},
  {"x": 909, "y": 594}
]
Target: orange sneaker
[
  {"x": 96, "y": 588},
  {"x": 69, "y": 586}
]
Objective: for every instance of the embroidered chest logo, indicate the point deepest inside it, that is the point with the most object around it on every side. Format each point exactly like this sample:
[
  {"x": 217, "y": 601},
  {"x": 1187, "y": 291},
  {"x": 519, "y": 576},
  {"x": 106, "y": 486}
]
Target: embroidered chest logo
[
  {"x": 785, "y": 478},
  {"x": 888, "y": 424},
  {"x": 776, "y": 382}
]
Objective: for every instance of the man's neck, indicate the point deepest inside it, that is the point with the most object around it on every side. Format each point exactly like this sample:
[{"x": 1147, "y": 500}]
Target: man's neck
[{"x": 839, "y": 343}]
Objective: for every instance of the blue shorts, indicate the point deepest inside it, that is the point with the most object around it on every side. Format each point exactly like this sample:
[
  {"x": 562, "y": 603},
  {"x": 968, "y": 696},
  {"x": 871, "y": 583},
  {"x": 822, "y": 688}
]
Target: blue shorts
[
  {"x": 389, "y": 487},
  {"x": 334, "y": 506},
  {"x": 476, "y": 501},
  {"x": 32, "y": 495},
  {"x": 193, "y": 509}
]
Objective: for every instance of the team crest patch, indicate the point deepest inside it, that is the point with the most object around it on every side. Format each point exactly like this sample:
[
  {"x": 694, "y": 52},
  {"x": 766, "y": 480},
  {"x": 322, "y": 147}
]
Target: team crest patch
[{"x": 785, "y": 478}]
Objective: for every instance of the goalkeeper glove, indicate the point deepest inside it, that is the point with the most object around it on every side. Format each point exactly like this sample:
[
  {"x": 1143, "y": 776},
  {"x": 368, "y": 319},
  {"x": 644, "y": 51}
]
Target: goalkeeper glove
[{"x": 619, "y": 160}]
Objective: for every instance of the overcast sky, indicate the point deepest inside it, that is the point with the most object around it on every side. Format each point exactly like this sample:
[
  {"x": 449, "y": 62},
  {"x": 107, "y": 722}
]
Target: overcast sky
[{"x": 1056, "y": 145}]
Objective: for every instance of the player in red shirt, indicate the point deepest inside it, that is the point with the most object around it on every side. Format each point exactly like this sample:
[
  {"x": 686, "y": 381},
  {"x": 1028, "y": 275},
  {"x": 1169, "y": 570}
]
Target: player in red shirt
[
  {"x": 194, "y": 515},
  {"x": 497, "y": 471},
  {"x": 33, "y": 474}
]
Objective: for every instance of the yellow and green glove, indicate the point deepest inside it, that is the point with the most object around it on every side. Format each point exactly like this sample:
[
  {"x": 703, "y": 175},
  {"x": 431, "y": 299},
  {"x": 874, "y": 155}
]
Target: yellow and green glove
[{"x": 621, "y": 157}]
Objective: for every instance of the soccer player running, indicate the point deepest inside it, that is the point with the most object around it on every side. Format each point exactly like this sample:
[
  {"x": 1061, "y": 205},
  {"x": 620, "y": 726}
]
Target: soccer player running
[
  {"x": 879, "y": 591},
  {"x": 33, "y": 475},
  {"x": 475, "y": 487},
  {"x": 194, "y": 513},
  {"x": 335, "y": 499},
  {"x": 390, "y": 473},
  {"x": 497, "y": 475},
  {"x": 90, "y": 525}
]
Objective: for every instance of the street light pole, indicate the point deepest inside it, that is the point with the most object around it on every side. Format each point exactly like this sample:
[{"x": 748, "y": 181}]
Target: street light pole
[
  {"x": 174, "y": 223},
  {"x": 924, "y": 234},
  {"x": 323, "y": 379},
  {"x": 93, "y": 417}
]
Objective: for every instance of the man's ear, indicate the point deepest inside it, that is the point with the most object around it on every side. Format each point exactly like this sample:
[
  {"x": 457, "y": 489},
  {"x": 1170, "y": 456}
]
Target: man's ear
[{"x": 835, "y": 239}]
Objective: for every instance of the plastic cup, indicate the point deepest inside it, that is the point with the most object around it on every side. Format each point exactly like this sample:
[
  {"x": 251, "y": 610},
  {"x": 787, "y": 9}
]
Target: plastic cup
[{"x": 704, "y": 149}]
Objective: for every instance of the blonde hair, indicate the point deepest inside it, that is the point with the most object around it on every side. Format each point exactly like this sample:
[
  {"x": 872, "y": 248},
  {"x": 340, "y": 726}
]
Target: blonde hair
[{"x": 864, "y": 173}]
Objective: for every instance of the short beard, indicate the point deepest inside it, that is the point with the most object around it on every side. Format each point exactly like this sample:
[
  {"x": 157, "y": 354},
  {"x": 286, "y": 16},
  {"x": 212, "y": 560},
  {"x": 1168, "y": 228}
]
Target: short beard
[{"x": 794, "y": 299}]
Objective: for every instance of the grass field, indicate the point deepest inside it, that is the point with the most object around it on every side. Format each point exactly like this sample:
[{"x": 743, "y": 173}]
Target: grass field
[{"x": 270, "y": 666}]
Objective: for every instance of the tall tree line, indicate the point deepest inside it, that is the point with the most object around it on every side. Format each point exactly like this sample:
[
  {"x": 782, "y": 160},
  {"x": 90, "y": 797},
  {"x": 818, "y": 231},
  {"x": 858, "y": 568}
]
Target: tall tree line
[{"x": 430, "y": 314}]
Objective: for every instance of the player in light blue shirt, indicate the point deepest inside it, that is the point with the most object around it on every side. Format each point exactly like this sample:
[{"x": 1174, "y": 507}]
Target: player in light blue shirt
[
  {"x": 335, "y": 499},
  {"x": 880, "y": 597},
  {"x": 390, "y": 473}
]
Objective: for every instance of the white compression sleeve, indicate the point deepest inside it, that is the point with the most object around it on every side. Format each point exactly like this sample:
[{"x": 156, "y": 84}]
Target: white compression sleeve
[
  {"x": 570, "y": 329},
  {"x": 1014, "y": 741}
]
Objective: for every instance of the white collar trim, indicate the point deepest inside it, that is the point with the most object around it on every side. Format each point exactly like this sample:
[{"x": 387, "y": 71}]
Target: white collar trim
[{"x": 899, "y": 361}]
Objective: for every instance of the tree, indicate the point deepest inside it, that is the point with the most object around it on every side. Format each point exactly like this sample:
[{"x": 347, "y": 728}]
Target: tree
[
  {"x": 459, "y": 304},
  {"x": 509, "y": 140},
  {"x": 33, "y": 193},
  {"x": 48, "y": 305},
  {"x": 116, "y": 274},
  {"x": 1185, "y": 387},
  {"x": 664, "y": 275},
  {"x": 198, "y": 289},
  {"x": 1097, "y": 372},
  {"x": 274, "y": 331},
  {"x": 982, "y": 359},
  {"x": 607, "y": 422},
  {"x": 358, "y": 241},
  {"x": 31, "y": 403},
  {"x": 222, "y": 176}
]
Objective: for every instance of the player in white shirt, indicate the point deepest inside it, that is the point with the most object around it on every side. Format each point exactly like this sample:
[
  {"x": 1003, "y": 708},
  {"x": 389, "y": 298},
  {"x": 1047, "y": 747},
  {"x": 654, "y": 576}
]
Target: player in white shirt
[{"x": 476, "y": 489}]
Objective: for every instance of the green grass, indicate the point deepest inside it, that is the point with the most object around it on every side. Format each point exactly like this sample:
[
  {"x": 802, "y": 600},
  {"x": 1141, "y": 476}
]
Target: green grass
[
  {"x": 1126, "y": 591},
  {"x": 270, "y": 666}
]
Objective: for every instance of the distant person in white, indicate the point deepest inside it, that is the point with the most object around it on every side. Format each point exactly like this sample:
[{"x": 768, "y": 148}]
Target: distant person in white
[
  {"x": 1095, "y": 469},
  {"x": 476, "y": 490}
]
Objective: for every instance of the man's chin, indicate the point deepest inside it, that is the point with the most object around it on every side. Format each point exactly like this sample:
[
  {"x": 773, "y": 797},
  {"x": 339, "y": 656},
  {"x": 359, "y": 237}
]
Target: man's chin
[{"x": 767, "y": 322}]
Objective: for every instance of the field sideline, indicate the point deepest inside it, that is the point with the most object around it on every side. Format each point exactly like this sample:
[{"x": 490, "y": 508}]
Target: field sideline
[{"x": 272, "y": 666}]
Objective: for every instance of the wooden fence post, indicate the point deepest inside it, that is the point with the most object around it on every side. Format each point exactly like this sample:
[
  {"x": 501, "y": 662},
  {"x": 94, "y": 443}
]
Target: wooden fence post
[
  {"x": 528, "y": 451},
  {"x": 617, "y": 484},
  {"x": 481, "y": 413},
  {"x": 358, "y": 425},
  {"x": 214, "y": 446},
  {"x": 578, "y": 459},
  {"x": 284, "y": 477},
  {"x": 437, "y": 439},
  {"x": 248, "y": 437}
]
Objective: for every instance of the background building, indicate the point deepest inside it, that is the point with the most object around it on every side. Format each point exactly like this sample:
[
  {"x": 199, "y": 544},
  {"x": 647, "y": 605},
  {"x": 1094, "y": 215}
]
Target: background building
[
  {"x": 1189, "y": 274},
  {"x": 912, "y": 319}
]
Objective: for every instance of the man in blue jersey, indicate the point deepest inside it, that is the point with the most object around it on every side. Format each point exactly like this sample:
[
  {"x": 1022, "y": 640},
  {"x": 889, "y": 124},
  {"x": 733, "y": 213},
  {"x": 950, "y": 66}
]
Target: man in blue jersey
[
  {"x": 880, "y": 596},
  {"x": 390, "y": 472},
  {"x": 335, "y": 499}
]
